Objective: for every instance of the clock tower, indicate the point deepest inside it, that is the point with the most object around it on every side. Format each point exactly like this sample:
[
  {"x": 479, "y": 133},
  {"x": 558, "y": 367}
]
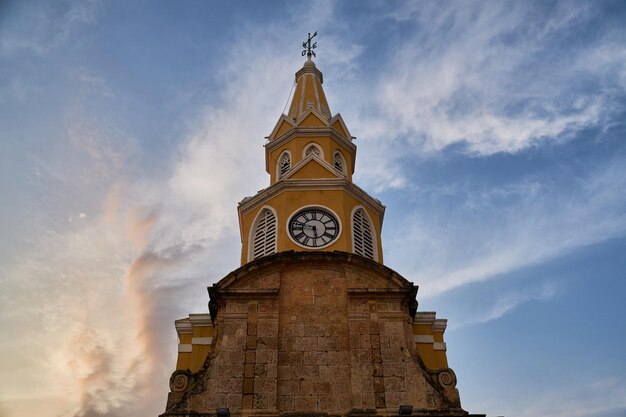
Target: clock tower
[
  {"x": 311, "y": 203},
  {"x": 313, "y": 322}
]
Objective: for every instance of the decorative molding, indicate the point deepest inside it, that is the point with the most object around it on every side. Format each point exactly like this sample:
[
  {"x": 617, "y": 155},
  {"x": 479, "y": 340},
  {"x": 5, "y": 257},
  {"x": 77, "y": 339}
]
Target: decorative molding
[
  {"x": 439, "y": 325},
  {"x": 202, "y": 341},
  {"x": 183, "y": 326},
  {"x": 424, "y": 317},
  {"x": 295, "y": 168},
  {"x": 184, "y": 348},
  {"x": 439, "y": 346},
  {"x": 200, "y": 319},
  {"x": 326, "y": 184},
  {"x": 423, "y": 338}
]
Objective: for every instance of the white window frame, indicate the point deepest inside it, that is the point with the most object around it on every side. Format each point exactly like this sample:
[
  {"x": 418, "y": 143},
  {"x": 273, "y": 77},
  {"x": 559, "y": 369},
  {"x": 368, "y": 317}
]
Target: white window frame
[
  {"x": 374, "y": 236},
  {"x": 280, "y": 175},
  {"x": 308, "y": 145},
  {"x": 343, "y": 162},
  {"x": 253, "y": 231}
]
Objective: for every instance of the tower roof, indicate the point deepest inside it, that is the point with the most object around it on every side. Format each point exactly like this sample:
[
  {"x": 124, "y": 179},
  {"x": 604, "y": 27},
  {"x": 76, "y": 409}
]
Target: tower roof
[{"x": 309, "y": 92}]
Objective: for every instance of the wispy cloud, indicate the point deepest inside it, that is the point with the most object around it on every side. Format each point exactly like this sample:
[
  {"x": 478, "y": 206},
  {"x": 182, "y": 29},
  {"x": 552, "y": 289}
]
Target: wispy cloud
[
  {"x": 42, "y": 27},
  {"x": 486, "y": 78},
  {"x": 507, "y": 302},
  {"x": 504, "y": 228}
]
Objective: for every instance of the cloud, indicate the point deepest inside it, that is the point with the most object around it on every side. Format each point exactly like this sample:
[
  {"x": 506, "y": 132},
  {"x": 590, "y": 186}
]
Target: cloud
[
  {"x": 487, "y": 78},
  {"x": 507, "y": 302},
  {"x": 492, "y": 231},
  {"x": 598, "y": 397},
  {"x": 42, "y": 27}
]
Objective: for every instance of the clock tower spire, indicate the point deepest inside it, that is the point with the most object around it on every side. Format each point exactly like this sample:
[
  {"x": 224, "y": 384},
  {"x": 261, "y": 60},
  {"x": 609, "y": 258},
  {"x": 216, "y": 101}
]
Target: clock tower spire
[{"x": 311, "y": 202}]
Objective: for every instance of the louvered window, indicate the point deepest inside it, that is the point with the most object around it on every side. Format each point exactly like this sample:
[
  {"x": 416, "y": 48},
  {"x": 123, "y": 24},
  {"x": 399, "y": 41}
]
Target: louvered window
[
  {"x": 284, "y": 164},
  {"x": 264, "y": 239},
  {"x": 338, "y": 161},
  {"x": 362, "y": 234}
]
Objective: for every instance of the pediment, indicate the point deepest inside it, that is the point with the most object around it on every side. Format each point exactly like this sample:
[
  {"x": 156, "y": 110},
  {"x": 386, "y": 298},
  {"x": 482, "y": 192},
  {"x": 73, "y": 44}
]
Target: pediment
[
  {"x": 313, "y": 167},
  {"x": 312, "y": 118},
  {"x": 283, "y": 125},
  {"x": 340, "y": 126}
]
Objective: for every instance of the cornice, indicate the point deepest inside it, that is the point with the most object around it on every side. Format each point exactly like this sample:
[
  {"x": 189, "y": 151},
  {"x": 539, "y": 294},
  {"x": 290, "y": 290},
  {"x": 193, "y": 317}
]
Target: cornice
[
  {"x": 281, "y": 186},
  {"x": 310, "y": 132}
]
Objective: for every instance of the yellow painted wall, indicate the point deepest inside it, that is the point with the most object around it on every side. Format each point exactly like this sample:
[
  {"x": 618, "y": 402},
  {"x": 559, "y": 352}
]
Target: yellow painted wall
[
  {"x": 194, "y": 360},
  {"x": 297, "y": 145},
  {"x": 288, "y": 202},
  {"x": 433, "y": 359}
]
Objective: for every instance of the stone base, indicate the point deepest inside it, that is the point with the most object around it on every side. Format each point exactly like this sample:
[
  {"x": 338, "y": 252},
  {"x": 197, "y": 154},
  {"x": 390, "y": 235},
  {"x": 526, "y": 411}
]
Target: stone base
[{"x": 313, "y": 334}]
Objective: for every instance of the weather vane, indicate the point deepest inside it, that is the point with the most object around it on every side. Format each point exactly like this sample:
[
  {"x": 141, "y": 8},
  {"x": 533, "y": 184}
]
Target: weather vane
[{"x": 308, "y": 48}]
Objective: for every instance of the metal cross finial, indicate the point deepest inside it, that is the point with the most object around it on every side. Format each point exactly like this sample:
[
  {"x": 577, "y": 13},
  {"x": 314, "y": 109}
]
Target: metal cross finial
[{"x": 308, "y": 48}]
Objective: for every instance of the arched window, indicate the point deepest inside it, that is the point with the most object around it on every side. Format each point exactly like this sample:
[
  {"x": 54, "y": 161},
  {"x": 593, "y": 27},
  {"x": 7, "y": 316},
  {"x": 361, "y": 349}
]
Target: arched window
[
  {"x": 338, "y": 162},
  {"x": 313, "y": 149},
  {"x": 363, "y": 240},
  {"x": 263, "y": 235},
  {"x": 284, "y": 163}
]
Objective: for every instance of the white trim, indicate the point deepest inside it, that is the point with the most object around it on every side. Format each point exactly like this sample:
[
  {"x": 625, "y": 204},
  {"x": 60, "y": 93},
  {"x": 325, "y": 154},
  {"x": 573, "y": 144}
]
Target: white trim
[
  {"x": 330, "y": 184},
  {"x": 342, "y": 123},
  {"x": 278, "y": 123},
  {"x": 423, "y": 338},
  {"x": 439, "y": 346},
  {"x": 183, "y": 326},
  {"x": 424, "y": 317},
  {"x": 184, "y": 348},
  {"x": 200, "y": 319},
  {"x": 295, "y": 168},
  {"x": 308, "y": 145},
  {"x": 280, "y": 176},
  {"x": 309, "y": 132},
  {"x": 439, "y": 325},
  {"x": 201, "y": 341},
  {"x": 252, "y": 231},
  {"x": 343, "y": 162},
  {"x": 314, "y": 206},
  {"x": 372, "y": 227}
]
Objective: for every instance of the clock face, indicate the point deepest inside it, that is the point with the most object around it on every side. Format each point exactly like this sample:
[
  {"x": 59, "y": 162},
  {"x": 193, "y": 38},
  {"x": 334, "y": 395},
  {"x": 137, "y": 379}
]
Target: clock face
[{"x": 313, "y": 228}]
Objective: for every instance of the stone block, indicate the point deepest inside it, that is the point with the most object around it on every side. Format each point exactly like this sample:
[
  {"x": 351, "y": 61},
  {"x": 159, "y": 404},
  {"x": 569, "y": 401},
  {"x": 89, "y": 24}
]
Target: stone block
[
  {"x": 284, "y": 371},
  {"x": 395, "y": 383},
  {"x": 285, "y": 403},
  {"x": 259, "y": 369},
  {"x": 306, "y": 371},
  {"x": 234, "y": 401},
  {"x": 248, "y": 386},
  {"x": 264, "y": 385},
  {"x": 306, "y": 402},
  {"x": 379, "y": 399},
  {"x": 290, "y": 387},
  {"x": 260, "y": 401},
  {"x": 267, "y": 328},
  {"x": 290, "y": 357},
  {"x": 266, "y": 356},
  {"x": 267, "y": 342},
  {"x": 251, "y": 342},
  {"x": 305, "y": 343},
  {"x": 328, "y": 343},
  {"x": 247, "y": 402}
]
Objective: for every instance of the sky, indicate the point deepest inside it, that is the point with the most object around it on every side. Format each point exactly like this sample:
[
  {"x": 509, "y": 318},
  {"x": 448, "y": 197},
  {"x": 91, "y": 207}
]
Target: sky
[{"x": 494, "y": 132}]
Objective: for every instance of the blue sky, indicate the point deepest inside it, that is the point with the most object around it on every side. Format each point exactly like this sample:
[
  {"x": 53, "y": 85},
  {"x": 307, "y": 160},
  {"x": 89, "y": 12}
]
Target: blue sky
[{"x": 492, "y": 131}]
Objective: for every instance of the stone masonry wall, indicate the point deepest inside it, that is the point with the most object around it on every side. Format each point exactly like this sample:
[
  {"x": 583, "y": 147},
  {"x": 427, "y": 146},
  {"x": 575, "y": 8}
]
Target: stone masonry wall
[{"x": 309, "y": 333}]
